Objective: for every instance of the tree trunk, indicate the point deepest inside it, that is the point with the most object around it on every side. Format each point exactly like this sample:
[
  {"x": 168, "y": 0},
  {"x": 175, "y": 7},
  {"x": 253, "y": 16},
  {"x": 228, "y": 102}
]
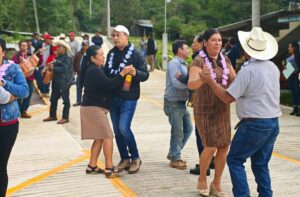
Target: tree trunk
[{"x": 36, "y": 17}]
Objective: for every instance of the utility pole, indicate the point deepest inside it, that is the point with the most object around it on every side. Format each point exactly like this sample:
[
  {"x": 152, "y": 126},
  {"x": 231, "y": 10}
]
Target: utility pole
[
  {"x": 165, "y": 40},
  {"x": 90, "y": 9},
  {"x": 255, "y": 13},
  {"x": 108, "y": 19},
  {"x": 36, "y": 17}
]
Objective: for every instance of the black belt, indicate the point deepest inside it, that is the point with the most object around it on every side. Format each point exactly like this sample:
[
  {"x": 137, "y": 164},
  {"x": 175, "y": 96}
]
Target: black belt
[{"x": 243, "y": 120}]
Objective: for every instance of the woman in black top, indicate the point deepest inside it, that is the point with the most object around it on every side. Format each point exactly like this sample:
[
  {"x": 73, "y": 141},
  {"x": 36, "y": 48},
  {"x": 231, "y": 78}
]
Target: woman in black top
[{"x": 94, "y": 108}]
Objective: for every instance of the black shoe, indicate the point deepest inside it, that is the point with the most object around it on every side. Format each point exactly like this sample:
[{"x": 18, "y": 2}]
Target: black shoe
[
  {"x": 212, "y": 164},
  {"x": 295, "y": 111},
  {"x": 196, "y": 170}
]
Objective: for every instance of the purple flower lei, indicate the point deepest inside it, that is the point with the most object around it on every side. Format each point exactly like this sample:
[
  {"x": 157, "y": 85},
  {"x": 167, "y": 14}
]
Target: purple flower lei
[{"x": 212, "y": 72}]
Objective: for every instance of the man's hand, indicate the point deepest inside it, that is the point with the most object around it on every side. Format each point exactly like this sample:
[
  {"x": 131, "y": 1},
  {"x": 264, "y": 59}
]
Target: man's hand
[
  {"x": 177, "y": 75},
  {"x": 50, "y": 67},
  {"x": 132, "y": 70},
  {"x": 205, "y": 75}
]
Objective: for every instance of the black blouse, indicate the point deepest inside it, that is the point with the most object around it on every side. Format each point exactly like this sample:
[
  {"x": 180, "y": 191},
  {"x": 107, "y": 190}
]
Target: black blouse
[{"x": 98, "y": 87}]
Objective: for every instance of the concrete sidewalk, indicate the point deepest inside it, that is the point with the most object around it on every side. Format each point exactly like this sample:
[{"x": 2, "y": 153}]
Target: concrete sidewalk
[{"x": 56, "y": 152}]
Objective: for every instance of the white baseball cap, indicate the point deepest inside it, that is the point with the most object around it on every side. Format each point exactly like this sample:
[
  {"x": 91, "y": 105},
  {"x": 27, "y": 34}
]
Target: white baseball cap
[{"x": 121, "y": 28}]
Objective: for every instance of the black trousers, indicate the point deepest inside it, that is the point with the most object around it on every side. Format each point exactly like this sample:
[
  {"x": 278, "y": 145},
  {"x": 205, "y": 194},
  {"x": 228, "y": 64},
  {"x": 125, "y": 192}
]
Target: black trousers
[
  {"x": 8, "y": 135},
  {"x": 55, "y": 95}
]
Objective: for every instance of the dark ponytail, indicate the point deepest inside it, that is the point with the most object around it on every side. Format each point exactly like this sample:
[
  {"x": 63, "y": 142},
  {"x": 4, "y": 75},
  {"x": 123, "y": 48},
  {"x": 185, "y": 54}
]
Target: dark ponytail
[{"x": 295, "y": 46}]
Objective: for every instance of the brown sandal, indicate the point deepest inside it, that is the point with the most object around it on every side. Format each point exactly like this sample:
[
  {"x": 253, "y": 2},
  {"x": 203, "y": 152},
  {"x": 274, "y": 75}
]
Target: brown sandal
[{"x": 94, "y": 170}]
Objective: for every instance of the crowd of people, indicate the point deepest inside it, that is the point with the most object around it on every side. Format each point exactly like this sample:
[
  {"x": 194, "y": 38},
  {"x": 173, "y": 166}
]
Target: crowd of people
[{"x": 112, "y": 84}]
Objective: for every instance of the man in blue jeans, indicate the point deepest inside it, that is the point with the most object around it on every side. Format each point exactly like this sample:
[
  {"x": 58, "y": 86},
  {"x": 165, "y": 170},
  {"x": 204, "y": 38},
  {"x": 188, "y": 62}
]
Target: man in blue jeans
[
  {"x": 176, "y": 95},
  {"x": 125, "y": 98},
  {"x": 256, "y": 91}
]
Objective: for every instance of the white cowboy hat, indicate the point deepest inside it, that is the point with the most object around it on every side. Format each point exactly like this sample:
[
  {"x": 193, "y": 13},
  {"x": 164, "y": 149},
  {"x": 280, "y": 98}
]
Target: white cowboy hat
[
  {"x": 258, "y": 44},
  {"x": 64, "y": 44},
  {"x": 62, "y": 36}
]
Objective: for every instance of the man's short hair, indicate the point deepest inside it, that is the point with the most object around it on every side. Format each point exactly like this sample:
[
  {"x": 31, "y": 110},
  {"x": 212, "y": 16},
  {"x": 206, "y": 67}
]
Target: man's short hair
[
  {"x": 22, "y": 41},
  {"x": 200, "y": 38},
  {"x": 176, "y": 45}
]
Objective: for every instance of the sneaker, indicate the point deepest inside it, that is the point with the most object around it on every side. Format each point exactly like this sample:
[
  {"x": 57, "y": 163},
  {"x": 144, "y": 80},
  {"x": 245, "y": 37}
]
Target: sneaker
[
  {"x": 135, "y": 166},
  {"x": 196, "y": 171},
  {"x": 24, "y": 114},
  {"x": 178, "y": 164},
  {"x": 124, "y": 164}
]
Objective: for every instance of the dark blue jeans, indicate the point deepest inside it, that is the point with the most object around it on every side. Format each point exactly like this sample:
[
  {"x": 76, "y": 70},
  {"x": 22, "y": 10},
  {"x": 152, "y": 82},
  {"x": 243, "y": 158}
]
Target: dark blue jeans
[
  {"x": 293, "y": 82},
  {"x": 78, "y": 90},
  {"x": 181, "y": 127},
  {"x": 254, "y": 139},
  {"x": 24, "y": 103},
  {"x": 121, "y": 113}
]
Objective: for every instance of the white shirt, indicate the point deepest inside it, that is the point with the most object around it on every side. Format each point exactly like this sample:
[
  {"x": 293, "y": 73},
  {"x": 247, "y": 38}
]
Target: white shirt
[{"x": 256, "y": 90}]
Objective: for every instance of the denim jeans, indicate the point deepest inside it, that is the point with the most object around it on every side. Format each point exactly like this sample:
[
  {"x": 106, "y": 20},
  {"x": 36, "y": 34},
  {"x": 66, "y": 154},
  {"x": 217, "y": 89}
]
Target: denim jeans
[
  {"x": 293, "y": 82},
  {"x": 24, "y": 103},
  {"x": 254, "y": 139},
  {"x": 78, "y": 90},
  {"x": 121, "y": 113},
  {"x": 181, "y": 127}
]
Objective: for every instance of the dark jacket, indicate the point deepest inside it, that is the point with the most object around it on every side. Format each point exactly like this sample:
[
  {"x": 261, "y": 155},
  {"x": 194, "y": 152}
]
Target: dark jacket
[
  {"x": 83, "y": 69},
  {"x": 150, "y": 47},
  {"x": 98, "y": 87},
  {"x": 138, "y": 63},
  {"x": 77, "y": 60},
  {"x": 63, "y": 71},
  {"x": 97, "y": 40}
]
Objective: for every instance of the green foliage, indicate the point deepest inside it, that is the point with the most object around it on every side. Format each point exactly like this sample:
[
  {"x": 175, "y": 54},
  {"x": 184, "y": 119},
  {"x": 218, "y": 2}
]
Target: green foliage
[
  {"x": 185, "y": 17},
  {"x": 286, "y": 98}
]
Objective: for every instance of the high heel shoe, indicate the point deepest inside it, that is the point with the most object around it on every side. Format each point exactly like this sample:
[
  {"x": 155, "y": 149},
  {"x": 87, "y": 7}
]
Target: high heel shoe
[
  {"x": 203, "y": 192},
  {"x": 214, "y": 192}
]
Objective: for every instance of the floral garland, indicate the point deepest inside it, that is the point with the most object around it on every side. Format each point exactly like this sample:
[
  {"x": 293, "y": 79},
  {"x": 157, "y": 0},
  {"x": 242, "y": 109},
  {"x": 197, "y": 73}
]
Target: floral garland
[
  {"x": 123, "y": 64},
  {"x": 213, "y": 73}
]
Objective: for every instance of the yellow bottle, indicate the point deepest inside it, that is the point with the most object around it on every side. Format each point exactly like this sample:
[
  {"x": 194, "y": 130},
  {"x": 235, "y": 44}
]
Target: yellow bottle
[{"x": 127, "y": 83}]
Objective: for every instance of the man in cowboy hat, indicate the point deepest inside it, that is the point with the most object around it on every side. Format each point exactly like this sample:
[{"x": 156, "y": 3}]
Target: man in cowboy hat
[
  {"x": 256, "y": 91},
  {"x": 61, "y": 82}
]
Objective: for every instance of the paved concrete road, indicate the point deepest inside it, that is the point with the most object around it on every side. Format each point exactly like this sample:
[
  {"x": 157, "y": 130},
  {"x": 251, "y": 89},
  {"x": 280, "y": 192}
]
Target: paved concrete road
[{"x": 48, "y": 159}]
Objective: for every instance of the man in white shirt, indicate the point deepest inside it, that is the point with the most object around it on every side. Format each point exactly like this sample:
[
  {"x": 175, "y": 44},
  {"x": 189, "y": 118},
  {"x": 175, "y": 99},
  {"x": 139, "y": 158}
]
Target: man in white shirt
[{"x": 256, "y": 91}]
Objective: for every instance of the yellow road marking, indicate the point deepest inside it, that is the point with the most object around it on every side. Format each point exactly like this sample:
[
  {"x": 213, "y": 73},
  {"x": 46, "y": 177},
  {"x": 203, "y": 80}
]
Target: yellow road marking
[
  {"x": 45, "y": 175},
  {"x": 159, "y": 104},
  {"x": 291, "y": 160},
  {"x": 116, "y": 182},
  {"x": 119, "y": 185}
]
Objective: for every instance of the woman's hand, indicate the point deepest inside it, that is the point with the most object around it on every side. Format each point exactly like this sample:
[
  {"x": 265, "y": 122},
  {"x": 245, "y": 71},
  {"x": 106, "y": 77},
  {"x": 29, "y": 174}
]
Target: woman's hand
[{"x": 205, "y": 74}]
